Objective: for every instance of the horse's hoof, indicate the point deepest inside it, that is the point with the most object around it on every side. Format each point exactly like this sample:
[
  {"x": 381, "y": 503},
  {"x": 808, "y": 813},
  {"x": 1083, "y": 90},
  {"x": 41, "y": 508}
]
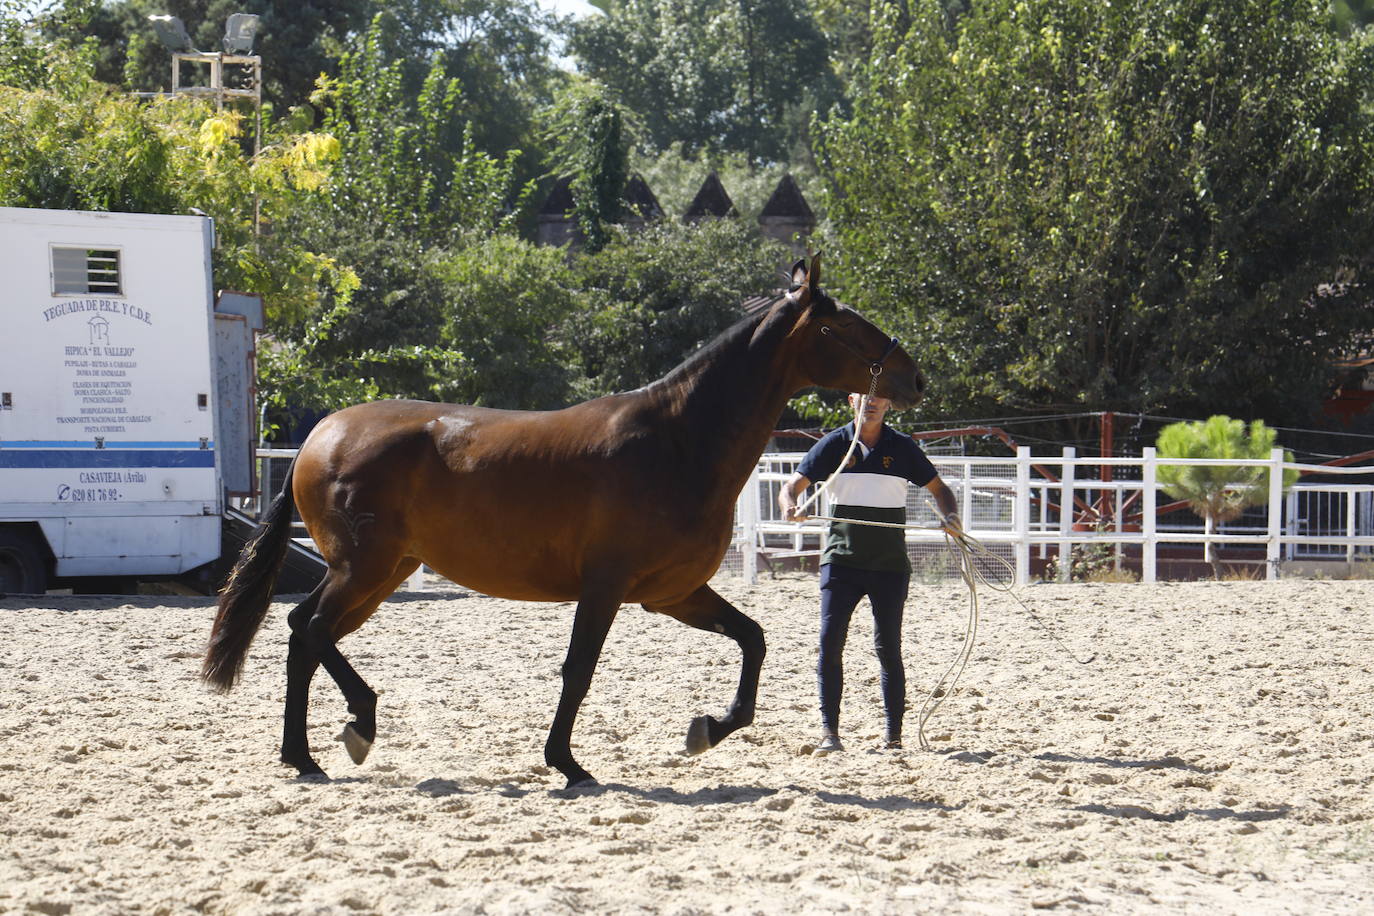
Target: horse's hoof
[
  {"x": 357, "y": 746},
  {"x": 585, "y": 782},
  {"x": 699, "y": 735},
  {"x": 305, "y": 764},
  {"x": 306, "y": 768}
]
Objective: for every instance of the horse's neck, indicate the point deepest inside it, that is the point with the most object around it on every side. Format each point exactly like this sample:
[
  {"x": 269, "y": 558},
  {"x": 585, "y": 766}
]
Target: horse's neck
[{"x": 722, "y": 410}]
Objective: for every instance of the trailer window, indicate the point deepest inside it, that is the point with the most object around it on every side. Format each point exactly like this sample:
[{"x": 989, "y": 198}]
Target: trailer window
[{"x": 86, "y": 270}]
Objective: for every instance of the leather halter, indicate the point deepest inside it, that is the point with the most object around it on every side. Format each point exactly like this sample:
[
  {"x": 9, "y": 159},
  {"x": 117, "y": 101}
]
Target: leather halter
[{"x": 874, "y": 366}]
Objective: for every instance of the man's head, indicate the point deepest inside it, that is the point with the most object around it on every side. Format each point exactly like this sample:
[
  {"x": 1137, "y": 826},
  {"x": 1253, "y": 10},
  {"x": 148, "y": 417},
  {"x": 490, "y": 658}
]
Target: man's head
[{"x": 874, "y": 410}]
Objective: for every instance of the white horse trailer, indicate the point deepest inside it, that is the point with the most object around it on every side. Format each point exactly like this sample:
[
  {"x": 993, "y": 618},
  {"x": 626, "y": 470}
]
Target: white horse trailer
[{"x": 110, "y": 469}]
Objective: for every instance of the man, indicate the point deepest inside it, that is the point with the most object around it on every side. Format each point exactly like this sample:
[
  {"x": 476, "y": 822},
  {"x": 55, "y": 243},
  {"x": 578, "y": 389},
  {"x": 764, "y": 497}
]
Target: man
[{"x": 864, "y": 560}]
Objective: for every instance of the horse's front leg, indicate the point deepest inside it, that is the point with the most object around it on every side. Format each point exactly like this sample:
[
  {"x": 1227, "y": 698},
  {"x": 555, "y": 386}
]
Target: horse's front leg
[
  {"x": 596, "y": 609},
  {"x": 706, "y": 610}
]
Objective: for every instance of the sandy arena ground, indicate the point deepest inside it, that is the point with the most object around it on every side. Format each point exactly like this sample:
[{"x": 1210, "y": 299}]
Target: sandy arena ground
[{"x": 1218, "y": 753}]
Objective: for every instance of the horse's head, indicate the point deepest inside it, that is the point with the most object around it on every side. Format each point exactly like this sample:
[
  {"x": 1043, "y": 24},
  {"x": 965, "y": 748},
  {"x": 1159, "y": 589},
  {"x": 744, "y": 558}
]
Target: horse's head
[{"x": 841, "y": 349}]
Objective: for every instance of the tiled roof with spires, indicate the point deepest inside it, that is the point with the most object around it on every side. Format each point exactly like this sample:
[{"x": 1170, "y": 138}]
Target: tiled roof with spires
[
  {"x": 640, "y": 200},
  {"x": 711, "y": 201},
  {"x": 787, "y": 202},
  {"x": 762, "y": 302},
  {"x": 559, "y": 203}
]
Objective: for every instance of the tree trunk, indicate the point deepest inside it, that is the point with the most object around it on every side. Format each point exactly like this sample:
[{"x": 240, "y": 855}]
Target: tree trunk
[{"x": 1209, "y": 551}]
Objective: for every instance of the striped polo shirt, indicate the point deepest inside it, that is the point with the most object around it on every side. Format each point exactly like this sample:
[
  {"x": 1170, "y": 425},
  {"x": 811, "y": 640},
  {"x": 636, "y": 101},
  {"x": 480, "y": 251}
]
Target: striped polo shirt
[{"x": 873, "y": 488}]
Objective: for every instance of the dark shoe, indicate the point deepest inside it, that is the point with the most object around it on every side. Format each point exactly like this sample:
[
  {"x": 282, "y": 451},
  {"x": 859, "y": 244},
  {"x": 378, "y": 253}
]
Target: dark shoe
[{"x": 893, "y": 744}]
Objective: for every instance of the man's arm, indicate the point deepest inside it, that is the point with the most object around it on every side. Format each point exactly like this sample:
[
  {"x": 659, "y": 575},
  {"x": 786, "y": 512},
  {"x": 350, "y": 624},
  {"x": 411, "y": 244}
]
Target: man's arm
[
  {"x": 788, "y": 495},
  {"x": 947, "y": 504}
]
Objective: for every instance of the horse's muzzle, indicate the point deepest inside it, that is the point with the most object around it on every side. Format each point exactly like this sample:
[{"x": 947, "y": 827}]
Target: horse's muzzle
[{"x": 907, "y": 391}]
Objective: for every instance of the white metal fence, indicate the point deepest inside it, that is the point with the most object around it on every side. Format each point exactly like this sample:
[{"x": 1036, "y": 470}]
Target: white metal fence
[{"x": 1014, "y": 506}]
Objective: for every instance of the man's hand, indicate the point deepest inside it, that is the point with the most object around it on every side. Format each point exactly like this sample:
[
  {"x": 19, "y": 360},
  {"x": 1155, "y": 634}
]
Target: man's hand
[
  {"x": 952, "y": 524},
  {"x": 788, "y": 495}
]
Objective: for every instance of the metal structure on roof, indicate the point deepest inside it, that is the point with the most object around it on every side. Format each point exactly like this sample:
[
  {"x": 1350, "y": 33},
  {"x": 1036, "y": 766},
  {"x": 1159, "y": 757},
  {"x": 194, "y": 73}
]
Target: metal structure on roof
[{"x": 711, "y": 202}]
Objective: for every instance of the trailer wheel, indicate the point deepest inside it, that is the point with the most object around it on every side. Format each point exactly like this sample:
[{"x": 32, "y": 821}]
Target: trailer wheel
[{"x": 21, "y": 565}]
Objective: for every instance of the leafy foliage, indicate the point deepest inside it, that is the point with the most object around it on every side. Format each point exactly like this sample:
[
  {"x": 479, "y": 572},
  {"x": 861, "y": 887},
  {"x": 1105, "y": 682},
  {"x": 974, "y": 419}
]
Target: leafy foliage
[
  {"x": 1083, "y": 206},
  {"x": 588, "y": 143},
  {"x": 719, "y": 76},
  {"x": 28, "y": 61},
  {"x": 507, "y": 298},
  {"x": 498, "y": 50},
  {"x": 651, "y": 298},
  {"x": 1218, "y": 493},
  {"x": 1352, "y": 14},
  {"x": 397, "y": 175},
  {"x": 81, "y": 145},
  {"x": 397, "y": 204}
]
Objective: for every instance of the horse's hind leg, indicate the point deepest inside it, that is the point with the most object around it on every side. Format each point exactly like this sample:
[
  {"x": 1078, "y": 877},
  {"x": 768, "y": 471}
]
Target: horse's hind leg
[
  {"x": 338, "y": 607},
  {"x": 301, "y": 664},
  {"x": 706, "y": 610}
]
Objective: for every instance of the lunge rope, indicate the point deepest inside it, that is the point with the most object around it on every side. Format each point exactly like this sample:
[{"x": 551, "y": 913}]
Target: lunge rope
[
  {"x": 844, "y": 462},
  {"x": 968, "y": 551}
]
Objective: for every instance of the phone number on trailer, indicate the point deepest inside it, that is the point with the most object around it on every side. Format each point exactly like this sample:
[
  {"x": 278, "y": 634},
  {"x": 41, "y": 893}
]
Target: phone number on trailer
[{"x": 88, "y": 494}]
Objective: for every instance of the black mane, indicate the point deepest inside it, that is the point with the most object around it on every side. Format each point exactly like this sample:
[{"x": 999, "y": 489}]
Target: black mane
[{"x": 738, "y": 336}]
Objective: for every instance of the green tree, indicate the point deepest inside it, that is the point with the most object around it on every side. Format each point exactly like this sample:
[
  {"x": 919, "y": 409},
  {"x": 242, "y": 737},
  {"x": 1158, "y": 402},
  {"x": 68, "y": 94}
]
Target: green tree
[
  {"x": 404, "y": 209},
  {"x": 297, "y": 41},
  {"x": 741, "y": 76},
  {"x": 468, "y": 324},
  {"x": 1077, "y": 206},
  {"x": 507, "y": 298},
  {"x": 24, "y": 54},
  {"x": 849, "y": 27},
  {"x": 83, "y": 145},
  {"x": 1352, "y": 14},
  {"x": 398, "y": 174},
  {"x": 652, "y": 297},
  {"x": 1218, "y": 493},
  {"x": 498, "y": 50},
  {"x": 588, "y": 144}
]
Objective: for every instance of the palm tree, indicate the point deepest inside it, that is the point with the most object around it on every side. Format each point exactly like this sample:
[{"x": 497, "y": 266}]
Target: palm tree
[{"x": 1218, "y": 493}]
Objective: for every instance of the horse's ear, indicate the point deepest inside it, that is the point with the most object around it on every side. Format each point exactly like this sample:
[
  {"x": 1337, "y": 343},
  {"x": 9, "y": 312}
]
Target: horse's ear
[
  {"x": 799, "y": 274},
  {"x": 817, "y": 301}
]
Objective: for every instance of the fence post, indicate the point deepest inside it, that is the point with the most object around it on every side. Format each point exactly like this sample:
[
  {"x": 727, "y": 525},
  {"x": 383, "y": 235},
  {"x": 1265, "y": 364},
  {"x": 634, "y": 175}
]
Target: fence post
[
  {"x": 966, "y": 497},
  {"x": 1020, "y": 514},
  {"x": 1066, "y": 515},
  {"x": 1271, "y": 553},
  {"x": 1147, "y": 514},
  {"x": 1350, "y": 532},
  {"x": 1291, "y": 528},
  {"x": 748, "y": 509}
]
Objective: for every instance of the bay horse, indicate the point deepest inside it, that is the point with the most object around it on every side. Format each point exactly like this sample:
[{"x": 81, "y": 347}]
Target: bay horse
[{"x": 626, "y": 498}]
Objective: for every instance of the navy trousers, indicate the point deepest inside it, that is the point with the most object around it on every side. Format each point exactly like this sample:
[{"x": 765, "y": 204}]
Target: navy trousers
[{"x": 841, "y": 589}]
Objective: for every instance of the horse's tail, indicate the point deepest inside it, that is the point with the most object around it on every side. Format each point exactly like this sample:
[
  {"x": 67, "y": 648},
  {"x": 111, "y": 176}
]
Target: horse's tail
[{"x": 246, "y": 595}]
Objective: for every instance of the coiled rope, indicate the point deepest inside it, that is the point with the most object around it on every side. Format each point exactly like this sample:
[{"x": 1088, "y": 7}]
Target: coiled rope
[{"x": 968, "y": 551}]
